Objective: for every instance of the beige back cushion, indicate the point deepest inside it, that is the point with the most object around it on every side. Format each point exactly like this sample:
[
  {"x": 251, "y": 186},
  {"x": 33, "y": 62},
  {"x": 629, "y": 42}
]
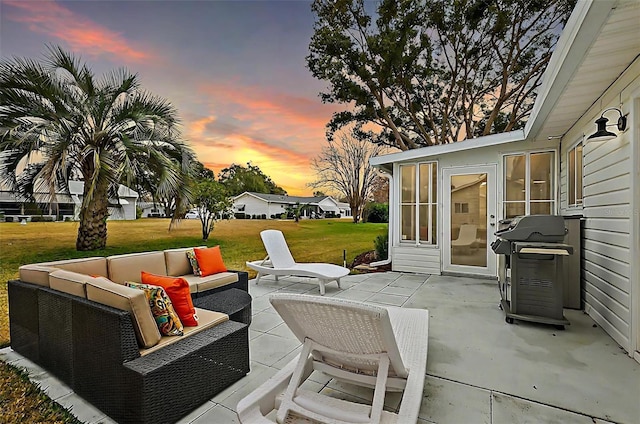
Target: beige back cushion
[
  {"x": 36, "y": 274},
  {"x": 177, "y": 262},
  {"x": 127, "y": 299},
  {"x": 89, "y": 266},
  {"x": 128, "y": 267},
  {"x": 72, "y": 282}
]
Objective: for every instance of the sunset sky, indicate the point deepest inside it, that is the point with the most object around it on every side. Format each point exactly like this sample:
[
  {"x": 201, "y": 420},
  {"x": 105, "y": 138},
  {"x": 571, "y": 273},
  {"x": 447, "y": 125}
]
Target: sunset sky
[{"x": 235, "y": 70}]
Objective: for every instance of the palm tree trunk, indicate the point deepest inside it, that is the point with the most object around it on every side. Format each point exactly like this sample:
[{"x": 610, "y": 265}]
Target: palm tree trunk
[{"x": 92, "y": 232}]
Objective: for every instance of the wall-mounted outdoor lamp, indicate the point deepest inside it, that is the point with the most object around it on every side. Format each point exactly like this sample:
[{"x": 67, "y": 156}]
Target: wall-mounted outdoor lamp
[{"x": 602, "y": 134}]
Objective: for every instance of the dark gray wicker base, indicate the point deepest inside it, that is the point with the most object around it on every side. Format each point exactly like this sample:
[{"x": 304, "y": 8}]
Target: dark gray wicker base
[{"x": 93, "y": 349}]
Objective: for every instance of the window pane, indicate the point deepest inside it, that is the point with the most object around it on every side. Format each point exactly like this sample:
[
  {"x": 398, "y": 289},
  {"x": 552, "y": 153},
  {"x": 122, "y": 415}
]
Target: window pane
[
  {"x": 434, "y": 225},
  {"x": 408, "y": 183},
  {"x": 513, "y": 209},
  {"x": 514, "y": 177},
  {"x": 572, "y": 177},
  {"x": 579, "y": 174},
  {"x": 541, "y": 208},
  {"x": 541, "y": 176},
  {"x": 408, "y": 222},
  {"x": 425, "y": 175},
  {"x": 424, "y": 223},
  {"x": 434, "y": 183}
]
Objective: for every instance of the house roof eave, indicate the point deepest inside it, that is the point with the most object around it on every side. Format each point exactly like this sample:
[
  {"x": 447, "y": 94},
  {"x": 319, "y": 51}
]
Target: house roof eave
[{"x": 431, "y": 151}]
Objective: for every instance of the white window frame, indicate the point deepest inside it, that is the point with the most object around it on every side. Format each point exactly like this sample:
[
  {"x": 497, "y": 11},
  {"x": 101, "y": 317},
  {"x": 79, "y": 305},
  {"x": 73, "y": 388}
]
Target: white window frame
[
  {"x": 416, "y": 203},
  {"x": 572, "y": 151},
  {"x": 527, "y": 177}
]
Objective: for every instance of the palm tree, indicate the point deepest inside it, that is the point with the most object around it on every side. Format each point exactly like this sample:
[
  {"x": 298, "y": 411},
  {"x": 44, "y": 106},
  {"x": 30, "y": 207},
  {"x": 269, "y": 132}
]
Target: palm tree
[{"x": 59, "y": 122}]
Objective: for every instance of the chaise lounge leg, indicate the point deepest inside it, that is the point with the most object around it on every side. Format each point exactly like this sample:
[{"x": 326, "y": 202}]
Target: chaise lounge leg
[
  {"x": 258, "y": 277},
  {"x": 321, "y": 282},
  {"x": 338, "y": 281}
]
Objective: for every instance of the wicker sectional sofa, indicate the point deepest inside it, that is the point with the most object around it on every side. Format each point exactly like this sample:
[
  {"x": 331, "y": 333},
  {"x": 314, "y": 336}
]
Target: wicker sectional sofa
[{"x": 76, "y": 319}]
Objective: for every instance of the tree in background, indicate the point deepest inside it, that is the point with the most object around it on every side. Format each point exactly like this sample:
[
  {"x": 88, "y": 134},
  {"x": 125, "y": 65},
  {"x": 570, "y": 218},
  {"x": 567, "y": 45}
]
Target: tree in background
[
  {"x": 237, "y": 179},
  {"x": 64, "y": 124},
  {"x": 343, "y": 166},
  {"x": 212, "y": 202},
  {"x": 434, "y": 72}
]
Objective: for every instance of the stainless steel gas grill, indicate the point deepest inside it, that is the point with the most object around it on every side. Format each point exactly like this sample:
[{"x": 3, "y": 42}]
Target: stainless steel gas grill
[{"x": 530, "y": 268}]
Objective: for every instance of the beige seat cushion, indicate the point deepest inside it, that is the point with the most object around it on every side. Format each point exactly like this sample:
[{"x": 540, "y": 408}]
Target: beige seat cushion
[
  {"x": 177, "y": 262},
  {"x": 72, "y": 282},
  {"x": 128, "y": 267},
  {"x": 127, "y": 299},
  {"x": 200, "y": 284},
  {"x": 206, "y": 319}
]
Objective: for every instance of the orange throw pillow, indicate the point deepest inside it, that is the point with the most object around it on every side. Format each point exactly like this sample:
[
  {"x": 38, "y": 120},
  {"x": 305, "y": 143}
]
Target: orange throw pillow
[
  {"x": 178, "y": 291},
  {"x": 210, "y": 260}
]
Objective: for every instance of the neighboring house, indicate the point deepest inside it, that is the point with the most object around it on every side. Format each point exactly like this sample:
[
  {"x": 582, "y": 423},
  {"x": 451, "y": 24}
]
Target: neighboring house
[
  {"x": 151, "y": 210},
  {"x": 66, "y": 205},
  {"x": 345, "y": 209},
  {"x": 550, "y": 167},
  {"x": 274, "y": 205}
]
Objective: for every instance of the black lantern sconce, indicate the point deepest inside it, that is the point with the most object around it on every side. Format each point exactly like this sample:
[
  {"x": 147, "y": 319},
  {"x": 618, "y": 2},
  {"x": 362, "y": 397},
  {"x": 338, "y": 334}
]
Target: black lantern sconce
[{"x": 602, "y": 134}]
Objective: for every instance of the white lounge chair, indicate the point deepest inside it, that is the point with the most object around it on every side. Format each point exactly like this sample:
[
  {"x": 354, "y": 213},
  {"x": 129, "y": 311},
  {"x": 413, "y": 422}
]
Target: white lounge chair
[
  {"x": 384, "y": 348},
  {"x": 466, "y": 236},
  {"x": 279, "y": 262}
]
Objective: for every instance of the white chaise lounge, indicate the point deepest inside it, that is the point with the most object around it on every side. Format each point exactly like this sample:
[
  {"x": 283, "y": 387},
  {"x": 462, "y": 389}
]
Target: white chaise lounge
[
  {"x": 279, "y": 262},
  {"x": 384, "y": 348}
]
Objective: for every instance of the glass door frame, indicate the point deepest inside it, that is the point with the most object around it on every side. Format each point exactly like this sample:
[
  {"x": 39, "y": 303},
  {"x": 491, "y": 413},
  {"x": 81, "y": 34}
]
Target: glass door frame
[{"x": 492, "y": 204}]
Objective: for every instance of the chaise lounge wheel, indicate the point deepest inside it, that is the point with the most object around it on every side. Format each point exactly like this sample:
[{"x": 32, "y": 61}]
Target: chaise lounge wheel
[{"x": 509, "y": 320}]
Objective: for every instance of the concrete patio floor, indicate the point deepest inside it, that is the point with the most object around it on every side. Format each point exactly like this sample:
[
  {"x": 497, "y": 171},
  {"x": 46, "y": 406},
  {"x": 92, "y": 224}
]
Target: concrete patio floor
[{"x": 480, "y": 369}]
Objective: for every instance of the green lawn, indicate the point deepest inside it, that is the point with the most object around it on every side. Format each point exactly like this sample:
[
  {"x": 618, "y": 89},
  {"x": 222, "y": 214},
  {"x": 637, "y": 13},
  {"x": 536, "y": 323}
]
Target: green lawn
[{"x": 309, "y": 241}]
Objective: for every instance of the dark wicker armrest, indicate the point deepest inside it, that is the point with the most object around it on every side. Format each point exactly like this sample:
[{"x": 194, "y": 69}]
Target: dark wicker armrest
[
  {"x": 243, "y": 280},
  {"x": 23, "y": 319}
]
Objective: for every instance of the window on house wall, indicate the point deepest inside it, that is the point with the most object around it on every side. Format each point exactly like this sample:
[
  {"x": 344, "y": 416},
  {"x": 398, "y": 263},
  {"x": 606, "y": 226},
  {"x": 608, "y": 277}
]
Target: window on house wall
[
  {"x": 461, "y": 207},
  {"x": 418, "y": 202},
  {"x": 574, "y": 172},
  {"x": 529, "y": 184}
]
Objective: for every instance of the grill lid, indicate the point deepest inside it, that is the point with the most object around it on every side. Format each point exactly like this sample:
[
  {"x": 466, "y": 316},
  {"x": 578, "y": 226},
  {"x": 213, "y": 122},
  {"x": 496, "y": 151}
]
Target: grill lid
[{"x": 542, "y": 228}]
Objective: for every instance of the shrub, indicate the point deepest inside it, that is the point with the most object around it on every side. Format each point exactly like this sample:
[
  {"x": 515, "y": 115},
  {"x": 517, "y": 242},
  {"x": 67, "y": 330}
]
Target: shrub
[
  {"x": 263, "y": 216},
  {"x": 42, "y": 218},
  {"x": 382, "y": 247},
  {"x": 239, "y": 215},
  {"x": 377, "y": 213}
]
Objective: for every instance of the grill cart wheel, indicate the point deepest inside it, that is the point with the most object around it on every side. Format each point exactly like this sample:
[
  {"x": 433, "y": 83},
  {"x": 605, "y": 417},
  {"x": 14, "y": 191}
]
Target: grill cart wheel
[{"x": 509, "y": 320}]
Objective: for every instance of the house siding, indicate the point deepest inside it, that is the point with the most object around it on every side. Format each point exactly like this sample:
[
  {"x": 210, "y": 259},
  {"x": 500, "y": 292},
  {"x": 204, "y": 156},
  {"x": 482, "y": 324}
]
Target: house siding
[
  {"x": 606, "y": 236},
  {"x": 422, "y": 260}
]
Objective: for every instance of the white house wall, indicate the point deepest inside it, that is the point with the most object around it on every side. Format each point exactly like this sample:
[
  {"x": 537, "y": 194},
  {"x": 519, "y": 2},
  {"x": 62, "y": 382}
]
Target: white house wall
[
  {"x": 609, "y": 191},
  {"x": 254, "y": 206},
  {"x": 408, "y": 257}
]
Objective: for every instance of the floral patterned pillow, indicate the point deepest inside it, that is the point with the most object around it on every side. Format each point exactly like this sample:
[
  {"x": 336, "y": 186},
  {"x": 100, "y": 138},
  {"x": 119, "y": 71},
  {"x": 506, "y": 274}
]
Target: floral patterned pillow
[
  {"x": 162, "y": 309},
  {"x": 194, "y": 263}
]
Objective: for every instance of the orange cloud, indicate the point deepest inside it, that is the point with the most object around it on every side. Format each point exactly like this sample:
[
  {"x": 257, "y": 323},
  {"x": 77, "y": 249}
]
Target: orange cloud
[
  {"x": 81, "y": 34},
  {"x": 278, "y": 132}
]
